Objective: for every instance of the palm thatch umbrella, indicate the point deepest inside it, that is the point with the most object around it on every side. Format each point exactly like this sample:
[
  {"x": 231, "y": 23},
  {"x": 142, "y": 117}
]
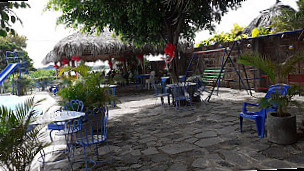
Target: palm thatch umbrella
[
  {"x": 102, "y": 47},
  {"x": 265, "y": 19}
]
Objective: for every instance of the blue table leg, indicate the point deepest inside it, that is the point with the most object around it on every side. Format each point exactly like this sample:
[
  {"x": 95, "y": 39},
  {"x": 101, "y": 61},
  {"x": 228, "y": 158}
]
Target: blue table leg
[
  {"x": 113, "y": 92},
  {"x": 142, "y": 82},
  {"x": 109, "y": 92}
]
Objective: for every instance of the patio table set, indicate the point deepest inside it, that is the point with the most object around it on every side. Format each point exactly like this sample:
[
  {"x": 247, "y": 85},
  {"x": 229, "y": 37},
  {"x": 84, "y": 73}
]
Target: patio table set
[
  {"x": 181, "y": 93},
  {"x": 80, "y": 129}
]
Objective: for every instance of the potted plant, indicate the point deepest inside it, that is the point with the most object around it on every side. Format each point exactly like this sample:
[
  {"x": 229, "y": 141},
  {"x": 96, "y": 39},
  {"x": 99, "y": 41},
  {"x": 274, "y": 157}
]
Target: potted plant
[{"x": 281, "y": 124}]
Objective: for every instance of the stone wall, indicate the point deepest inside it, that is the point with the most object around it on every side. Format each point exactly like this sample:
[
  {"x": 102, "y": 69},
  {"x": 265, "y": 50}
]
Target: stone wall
[{"x": 277, "y": 47}]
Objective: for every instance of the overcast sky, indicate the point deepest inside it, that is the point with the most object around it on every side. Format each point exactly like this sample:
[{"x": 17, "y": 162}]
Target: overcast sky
[{"x": 42, "y": 33}]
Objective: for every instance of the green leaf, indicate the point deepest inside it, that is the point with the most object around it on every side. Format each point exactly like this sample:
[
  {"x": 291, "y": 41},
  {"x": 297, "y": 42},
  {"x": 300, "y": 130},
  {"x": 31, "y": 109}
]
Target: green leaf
[
  {"x": 2, "y": 24},
  {"x": 13, "y": 19},
  {"x": 3, "y": 33},
  {"x": 4, "y": 16}
]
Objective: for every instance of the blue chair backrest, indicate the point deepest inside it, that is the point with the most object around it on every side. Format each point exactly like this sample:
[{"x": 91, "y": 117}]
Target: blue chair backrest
[
  {"x": 93, "y": 125},
  {"x": 74, "y": 105},
  {"x": 159, "y": 88},
  {"x": 278, "y": 88},
  {"x": 177, "y": 91}
]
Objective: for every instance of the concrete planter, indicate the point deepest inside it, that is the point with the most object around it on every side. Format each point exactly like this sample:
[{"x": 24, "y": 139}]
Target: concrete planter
[{"x": 281, "y": 130}]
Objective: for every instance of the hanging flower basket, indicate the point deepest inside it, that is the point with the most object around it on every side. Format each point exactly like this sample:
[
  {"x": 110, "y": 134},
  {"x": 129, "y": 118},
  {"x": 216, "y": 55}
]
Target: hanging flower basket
[
  {"x": 65, "y": 61},
  {"x": 110, "y": 64},
  {"x": 76, "y": 58}
]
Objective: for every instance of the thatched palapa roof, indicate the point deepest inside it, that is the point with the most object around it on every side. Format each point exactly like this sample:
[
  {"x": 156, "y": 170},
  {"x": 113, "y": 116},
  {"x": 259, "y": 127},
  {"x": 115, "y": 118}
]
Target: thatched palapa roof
[
  {"x": 102, "y": 47},
  {"x": 266, "y": 17}
]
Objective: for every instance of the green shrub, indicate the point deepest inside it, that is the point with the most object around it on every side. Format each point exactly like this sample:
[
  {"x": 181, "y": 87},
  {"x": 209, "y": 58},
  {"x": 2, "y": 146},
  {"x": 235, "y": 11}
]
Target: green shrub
[{"x": 18, "y": 146}]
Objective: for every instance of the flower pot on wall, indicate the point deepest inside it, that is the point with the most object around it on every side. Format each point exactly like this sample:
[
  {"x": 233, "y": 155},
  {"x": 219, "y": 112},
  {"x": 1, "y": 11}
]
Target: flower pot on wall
[{"x": 281, "y": 130}]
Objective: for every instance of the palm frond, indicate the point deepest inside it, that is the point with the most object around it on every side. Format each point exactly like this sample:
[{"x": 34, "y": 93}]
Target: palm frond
[{"x": 261, "y": 62}]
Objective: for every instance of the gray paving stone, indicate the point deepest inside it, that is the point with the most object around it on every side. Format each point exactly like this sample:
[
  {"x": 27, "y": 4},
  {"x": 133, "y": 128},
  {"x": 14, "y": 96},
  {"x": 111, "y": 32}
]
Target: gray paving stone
[
  {"x": 157, "y": 158},
  {"x": 258, "y": 146},
  {"x": 191, "y": 140},
  {"x": 135, "y": 166},
  {"x": 178, "y": 167},
  {"x": 276, "y": 152},
  {"x": 206, "y": 134},
  {"x": 208, "y": 142},
  {"x": 213, "y": 157},
  {"x": 135, "y": 152},
  {"x": 150, "y": 151},
  {"x": 177, "y": 148},
  {"x": 233, "y": 157},
  {"x": 275, "y": 164},
  {"x": 200, "y": 163}
]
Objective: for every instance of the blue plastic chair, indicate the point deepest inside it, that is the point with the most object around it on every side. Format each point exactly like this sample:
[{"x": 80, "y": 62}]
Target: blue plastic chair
[
  {"x": 181, "y": 97},
  {"x": 73, "y": 105},
  {"x": 161, "y": 91},
  {"x": 261, "y": 115},
  {"x": 38, "y": 85},
  {"x": 93, "y": 131},
  {"x": 53, "y": 89}
]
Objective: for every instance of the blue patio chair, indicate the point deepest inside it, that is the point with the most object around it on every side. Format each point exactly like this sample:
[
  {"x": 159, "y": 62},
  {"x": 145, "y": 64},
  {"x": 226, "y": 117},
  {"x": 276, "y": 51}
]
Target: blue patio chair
[
  {"x": 53, "y": 89},
  {"x": 260, "y": 116},
  {"x": 161, "y": 91},
  {"x": 73, "y": 105},
  {"x": 38, "y": 85},
  {"x": 93, "y": 131},
  {"x": 181, "y": 97}
]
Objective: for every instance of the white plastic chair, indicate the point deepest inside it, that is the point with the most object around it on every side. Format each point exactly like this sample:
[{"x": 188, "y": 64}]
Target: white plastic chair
[{"x": 150, "y": 81}]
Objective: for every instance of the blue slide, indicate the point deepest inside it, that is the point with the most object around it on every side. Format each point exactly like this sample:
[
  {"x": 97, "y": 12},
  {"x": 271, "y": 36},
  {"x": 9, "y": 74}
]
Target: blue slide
[{"x": 7, "y": 71}]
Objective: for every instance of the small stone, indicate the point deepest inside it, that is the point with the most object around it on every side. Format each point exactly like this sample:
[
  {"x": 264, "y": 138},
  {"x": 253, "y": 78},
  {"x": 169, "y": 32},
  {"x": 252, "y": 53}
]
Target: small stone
[
  {"x": 150, "y": 151},
  {"x": 177, "y": 148},
  {"x": 191, "y": 140},
  {"x": 135, "y": 166},
  {"x": 275, "y": 164},
  {"x": 200, "y": 163},
  {"x": 206, "y": 134},
  {"x": 208, "y": 142},
  {"x": 178, "y": 167}
]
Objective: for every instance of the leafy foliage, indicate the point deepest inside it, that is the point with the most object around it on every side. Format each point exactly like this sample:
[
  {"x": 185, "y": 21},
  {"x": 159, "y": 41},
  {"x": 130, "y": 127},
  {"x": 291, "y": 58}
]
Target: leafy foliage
[
  {"x": 154, "y": 22},
  {"x": 225, "y": 37},
  {"x": 18, "y": 146},
  {"x": 281, "y": 101},
  {"x": 260, "y": 31},
  {"x": 87, "y": 89},
  {"x": 278, "y": 73},
  {"x": 14, "y": 43},
  {"x": 8, "y": 16},
  {"x": 290, "y": 19},
  {"x": 42, "y": 73},
  {"x": 143, "y": 21}
]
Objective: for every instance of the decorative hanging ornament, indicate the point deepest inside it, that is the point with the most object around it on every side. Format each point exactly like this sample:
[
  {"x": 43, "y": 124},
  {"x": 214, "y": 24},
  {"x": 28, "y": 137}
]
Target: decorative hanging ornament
[
  {"x": 122, "y": 59},
  {"x": 110, "y": 64},
  {"x": 76, "y": 58},
  {"x": 56, "y": 66},
  {"x": 140, "y": 56},
  {"x": 65, "y": 61},
  {"x": 170, "y": 51},
  {"x": 290, "y": 47}
]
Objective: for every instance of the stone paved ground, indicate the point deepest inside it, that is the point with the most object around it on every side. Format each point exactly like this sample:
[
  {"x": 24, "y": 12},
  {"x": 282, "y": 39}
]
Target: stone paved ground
[{"x": 143, "y": 135}]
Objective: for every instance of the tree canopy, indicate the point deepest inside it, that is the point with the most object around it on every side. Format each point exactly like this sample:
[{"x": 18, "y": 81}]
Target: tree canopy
[
  {"x": 8, "y": 17},
  {"x": 146, "y": 21},
  {"x": 290, "y": 19},
  {"x": 14, "y": 43}
]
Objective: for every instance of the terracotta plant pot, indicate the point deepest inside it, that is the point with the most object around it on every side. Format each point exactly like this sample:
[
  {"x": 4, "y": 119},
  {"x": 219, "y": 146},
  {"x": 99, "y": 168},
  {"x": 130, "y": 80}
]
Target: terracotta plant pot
[{"x": 281, "y": 130}]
